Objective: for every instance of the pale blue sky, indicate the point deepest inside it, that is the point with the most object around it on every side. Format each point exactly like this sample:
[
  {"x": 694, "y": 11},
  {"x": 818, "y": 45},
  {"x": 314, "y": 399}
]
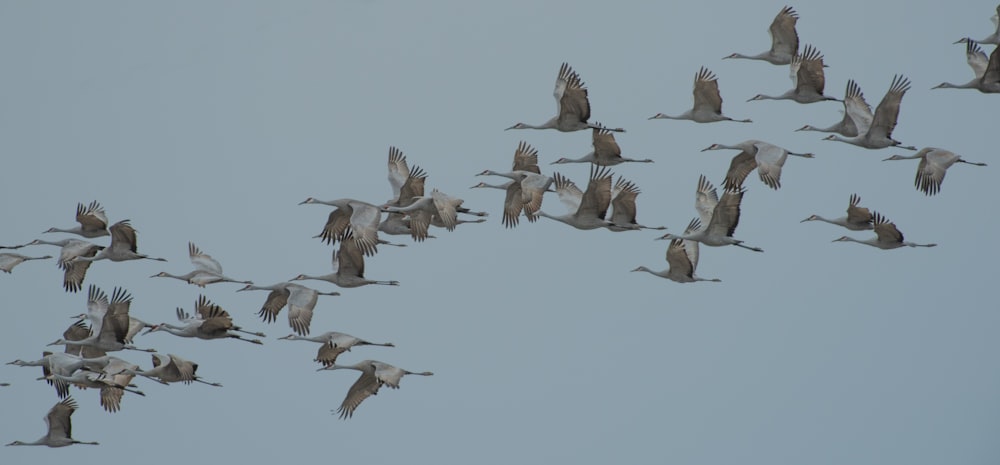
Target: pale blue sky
[{"x": 209, "y": 121}]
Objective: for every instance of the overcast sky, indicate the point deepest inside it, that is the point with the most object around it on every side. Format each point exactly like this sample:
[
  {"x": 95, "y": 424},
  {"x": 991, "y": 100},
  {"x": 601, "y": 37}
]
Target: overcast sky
[{"x": 209, "y": 121}]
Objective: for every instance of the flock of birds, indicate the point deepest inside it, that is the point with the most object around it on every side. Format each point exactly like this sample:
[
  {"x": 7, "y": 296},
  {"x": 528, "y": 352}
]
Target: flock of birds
[{"x": 354, "y": 228}]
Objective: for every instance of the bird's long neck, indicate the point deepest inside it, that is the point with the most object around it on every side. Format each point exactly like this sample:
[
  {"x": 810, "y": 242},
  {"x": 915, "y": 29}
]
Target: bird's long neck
[
  {"x": 41, "y": 442},
  {"x": 588, "y": 158},
  {"x": 61, "y": 243},
  {"x": 561, "y": 219},
  {"x": 968, "y": 85},
  {"x": 75, "y": 230},
  {"x": 687, "y": 115},
  {"x": 836, "y": 221},
  {"x": 662, "y": 274},
  {"x": 853, "y": 141},
  {"x": 184, "y": 277}
]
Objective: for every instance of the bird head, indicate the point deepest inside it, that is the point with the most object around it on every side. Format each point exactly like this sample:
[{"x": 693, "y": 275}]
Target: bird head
[
  {"x": 657, "y": 116},
  {"x": 830, "y": 137},
  {"x": 517, "y": 126},
  {"x": 841, "y": 239},
  {"x": 811, "y": 218},
  {"x": 895, "y": 157},
  {"x": 712, "y": 147},
  {"x": 308, "y": 200},
  {"x": 806, "y": 128},
  {"x": 756, "y": 97}
]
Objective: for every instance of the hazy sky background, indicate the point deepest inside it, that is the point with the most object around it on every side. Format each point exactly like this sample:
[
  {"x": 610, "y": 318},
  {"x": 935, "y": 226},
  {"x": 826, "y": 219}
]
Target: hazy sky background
[{"x": 209, "y": 121}]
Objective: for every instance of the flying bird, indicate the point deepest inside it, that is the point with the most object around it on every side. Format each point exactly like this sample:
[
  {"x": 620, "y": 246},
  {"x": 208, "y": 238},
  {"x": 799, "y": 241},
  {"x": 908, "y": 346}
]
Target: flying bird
[
  {"x": 707, "y": 101},
  {"x": 374, "y": 374},
  {"x": 934, "y": 163},
  {"x": 858, "y": 218},
  {"x": 93, "y": 221},
  {"x": 59, "y": 427},
  {"x": 784, "y": 40},
  {"x": 986, "y": 70},
  {"x": 876, "y": 132},
  {"x": 572, "y": 105},
  {"x": 887, "y": 236}
]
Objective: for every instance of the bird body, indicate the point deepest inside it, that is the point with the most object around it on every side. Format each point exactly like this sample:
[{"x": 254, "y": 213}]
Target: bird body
[
  {"x": 9, "y": 260},
  {"x": 768, "y": 159},
  {"x": 934, "y": 163},
  {"x": 362, "y": 217},
  {"x": 572, "y": 105},
  {"x": 986, "y": 70},
  {"x": 887, "y": 236},
  {"x": 210, "y": 321},
  {"x": 876, "y": 133},
  {"x": 374, "y": 374},
  {"x": 111, "y": 323},
  {"x": 348, "y": 267},
  {"x": 808, "y": 79},
  {"x": 587, "y": 209},
  {"x": 207, "y": 270},
  {"x": 74, "y": 271},
  {"x": 606, "y": 152},
  {"x": 682, "y": 256},
  {"x": 855, "y": 107},
  {"x": 722, "y": 222},
  {"x": 301, "y": 301},
  {"x": 334, "y": 344},
  {"x": 707, "y": 101},
  {"x": 59, "y": 427},
  {"x": 784, "y": 40},
  {"x": 857, "y": 219},
  {"x": 93, "y": 221},
  {"x": 123, "y": 246}
]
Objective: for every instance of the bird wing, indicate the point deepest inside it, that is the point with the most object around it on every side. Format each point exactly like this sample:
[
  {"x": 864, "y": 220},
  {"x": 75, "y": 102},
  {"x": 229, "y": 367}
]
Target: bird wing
[
  {"x": 784, "y": 39},
  {"x": 179, "y": 369},
  {"x": 336, "y": 223},
  {"x": 932, "y": 168},
  {"x": 115, "y": 325},
  {"x": 328, "y": 352},
  {"x": 76, "y": 270},
  {"x": 513, "y": 203},
  {"x": 691, "y": 248},
  {"x": 887, "y": 110},
  {"x": 445, "y": 206},
  {"x": 526, "y": 159},
  {"x": 568, "y": 193},
  {"x": 976, "y": 58},
  {"x": 301, "y": 301},
  {"x": 886, "y": 230},
  {"x": 398, "y": 171},
  {"x": 605, "y": 147},
  {"x": 203, "y": 261},
  {"x": 91, "y": 217},
  {"x": 276, "y": 301},
  {"x": 726, "y": 216},
  {"x": 413, "y": 187},
  {"x": 366, "y": 385},
  {"x": 705, "y": 199},
  {"x": 123, "y": 236},
  {"x": 364, "y": 223},
  {"x": 623, "y": 203},
  {"x": 597, "y": 198},
  {"x": 992, "y": 74},
  {"x": 739, "y": 168},
  {"x": 677, "y": 257},
  {"x": 574, "y": 106},
  {"x": 810, "y": 73},
  {"x": 856, "y": 108},
  {"x": 58, "y": 421},
  {"x": 350, "y": 260},
  {"x": 533, "y": 188},
  {"x": 858, "y": 215},
  {"x": 770, "y": 158},
  {"x": 706, "y": 92}
]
